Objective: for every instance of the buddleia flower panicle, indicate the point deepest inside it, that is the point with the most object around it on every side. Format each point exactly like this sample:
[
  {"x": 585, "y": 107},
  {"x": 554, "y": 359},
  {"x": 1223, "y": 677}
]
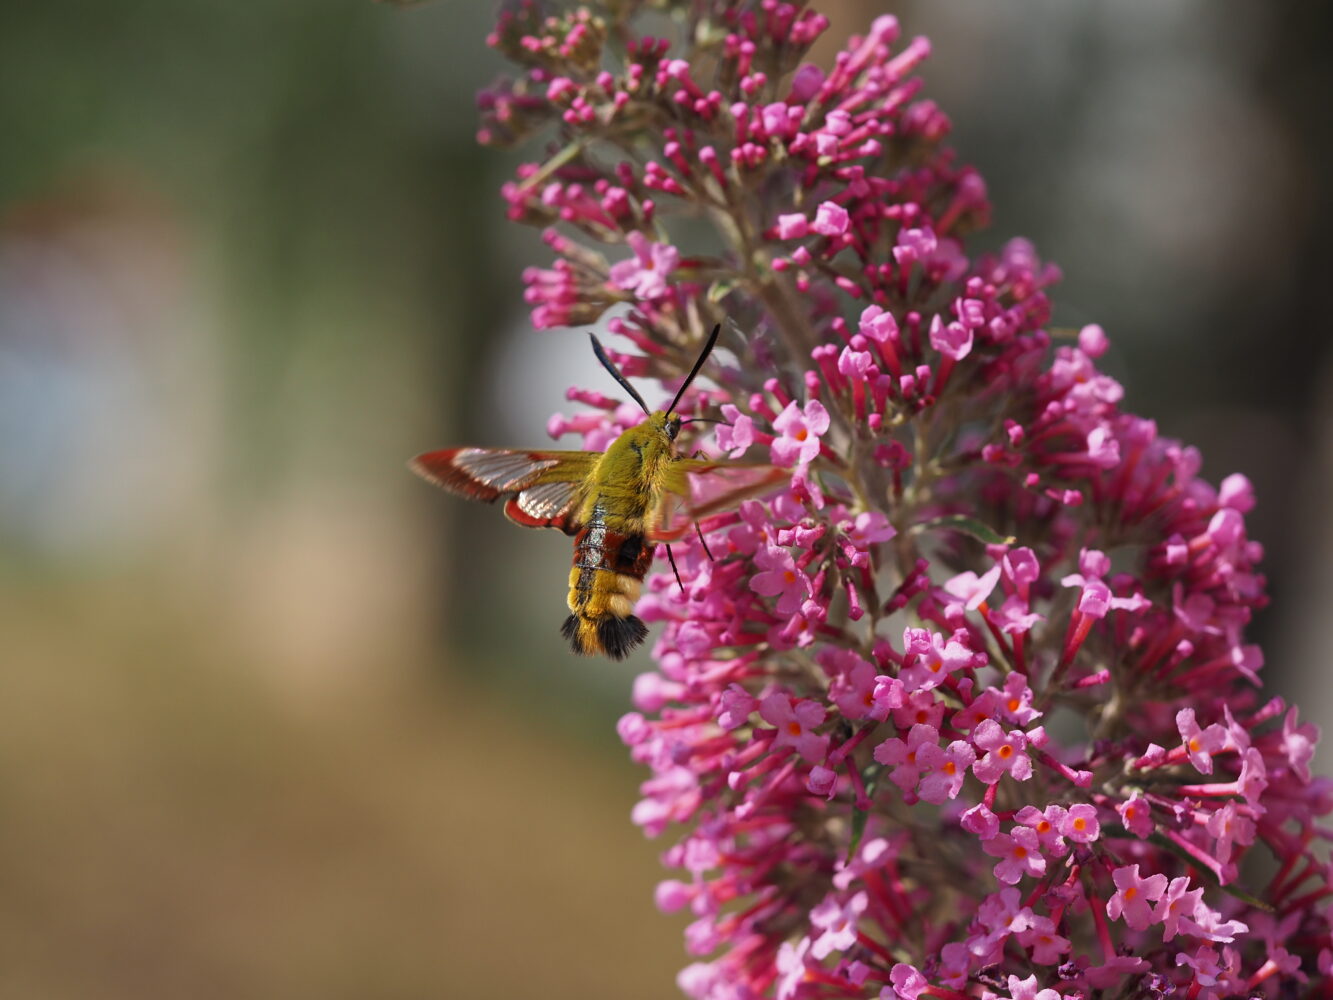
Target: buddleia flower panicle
[{"x": 966, "y": 708}]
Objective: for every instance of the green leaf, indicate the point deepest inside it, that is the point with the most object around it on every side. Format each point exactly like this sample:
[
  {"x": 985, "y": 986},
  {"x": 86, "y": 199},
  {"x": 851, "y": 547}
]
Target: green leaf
[
  {"x": 721, "y": 288},
  {"x": 968, "y": 526}
]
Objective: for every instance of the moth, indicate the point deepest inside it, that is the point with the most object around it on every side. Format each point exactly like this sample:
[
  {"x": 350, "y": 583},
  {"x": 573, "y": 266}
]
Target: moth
[{"x": 618, "y": 504}]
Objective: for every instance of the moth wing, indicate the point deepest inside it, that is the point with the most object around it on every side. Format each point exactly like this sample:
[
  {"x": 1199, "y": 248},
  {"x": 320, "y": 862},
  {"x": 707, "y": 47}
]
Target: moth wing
[
  {"x": 695, "y": 489},
  {"x": 546, "y": 505},
  {"x": 542, "y": 487}
]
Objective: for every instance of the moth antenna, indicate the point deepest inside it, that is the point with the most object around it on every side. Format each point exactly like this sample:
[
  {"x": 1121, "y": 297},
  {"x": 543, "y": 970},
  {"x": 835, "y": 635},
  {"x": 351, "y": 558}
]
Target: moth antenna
[
  {"x": 624, "y": 382},
  {"x": 672, "y": 559},
  {"x": 704, "y": 542},
  {"x": 703, "y": 356}
]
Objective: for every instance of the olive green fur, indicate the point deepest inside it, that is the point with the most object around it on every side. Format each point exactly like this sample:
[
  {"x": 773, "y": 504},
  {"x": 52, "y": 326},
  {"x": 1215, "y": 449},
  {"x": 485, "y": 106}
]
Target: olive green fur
[{"x": 633, "y": 474}]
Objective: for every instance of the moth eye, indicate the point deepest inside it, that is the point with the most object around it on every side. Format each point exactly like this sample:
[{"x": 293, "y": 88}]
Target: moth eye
[{"x": 673, "y": 428}]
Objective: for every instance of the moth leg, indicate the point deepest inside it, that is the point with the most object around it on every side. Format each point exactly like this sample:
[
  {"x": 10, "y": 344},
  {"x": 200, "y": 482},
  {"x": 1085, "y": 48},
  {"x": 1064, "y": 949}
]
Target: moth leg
[
  {"x": 672, "y": 559},
  {"x": 704, "y": 542}
]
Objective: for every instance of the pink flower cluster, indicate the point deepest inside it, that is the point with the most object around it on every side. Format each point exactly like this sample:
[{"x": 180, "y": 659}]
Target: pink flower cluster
[{"x": 966, "y": 709}]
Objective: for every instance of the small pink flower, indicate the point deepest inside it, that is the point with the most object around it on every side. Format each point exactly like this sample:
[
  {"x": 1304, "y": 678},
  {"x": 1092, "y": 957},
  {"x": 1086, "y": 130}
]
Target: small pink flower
[
  {"x": 1133, "y": 896},
  {"x": 1092, "y": 341},
  {"x": 953, "y": 340},
  {"x": 823, "y": 781},
  {"x": 792, "y": 227},
  {"x": 971, "y": 589},
  {"x": 737, "y": 434},
  {"x": 908, "y": 983},
  {"x": 780, "y": 578},
  {"x": 1080, "y": 824},
  {"x": 944, "y": 770},
  {"x": 1030, "y": 989},
  {"x": 645, "y": 274},
  {"x": 1015, "y": 616},
  {"x": 800, "y": 431},
  {"x": 935, "y": 660},
  {"x": 805, "y": 82},
  {"x": 878, "y": 324},
  {"x": 1016, "y": 705},
  {"x": 1019, "y": 853},
  {"x": 735, "y": 706},
  {"x": 830, "y": 219},
  {"x": 838, "y": 922},
  {"x": 1179, "y": 901},
  {"x": 1136, "y": 814},
  {"x": 902, "y": 755},
  {"x": 1200, "y": 744},
  {"x": 1046, "y": 824},
  {"x": 854, "y": 692},
  {"x": 794, "y": 724},
  {"x": 1004, "y": 753},
  {"x": 980, "y": 821},
  {"x": 1041, "y": 939}
]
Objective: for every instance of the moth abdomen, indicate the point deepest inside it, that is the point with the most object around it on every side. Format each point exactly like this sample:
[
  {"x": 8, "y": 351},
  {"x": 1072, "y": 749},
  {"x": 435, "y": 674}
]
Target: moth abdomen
[
  {"x": 618, "y": 636},
  {"x": 606, "y": 635}
]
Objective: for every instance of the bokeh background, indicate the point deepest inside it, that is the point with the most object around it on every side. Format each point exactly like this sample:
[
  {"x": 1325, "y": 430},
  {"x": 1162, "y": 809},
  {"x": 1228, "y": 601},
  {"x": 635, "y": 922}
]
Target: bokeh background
[{"x": 278, "y": 721}]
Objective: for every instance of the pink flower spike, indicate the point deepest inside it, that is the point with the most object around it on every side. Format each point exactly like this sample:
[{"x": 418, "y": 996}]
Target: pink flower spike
[{"x": 856, "y": 685}]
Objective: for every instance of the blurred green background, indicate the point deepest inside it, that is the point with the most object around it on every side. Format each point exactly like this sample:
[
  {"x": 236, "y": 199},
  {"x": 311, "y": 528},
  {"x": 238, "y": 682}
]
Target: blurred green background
[{"x": 277, "y": 720}]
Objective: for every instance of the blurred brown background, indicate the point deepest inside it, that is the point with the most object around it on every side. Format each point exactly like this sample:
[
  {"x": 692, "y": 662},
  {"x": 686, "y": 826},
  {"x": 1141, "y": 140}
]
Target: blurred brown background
[{"x": 278, "y": 721}]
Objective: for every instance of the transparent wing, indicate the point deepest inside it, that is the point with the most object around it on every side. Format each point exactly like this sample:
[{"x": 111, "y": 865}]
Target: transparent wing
[
  {"x": 542, "y": 487},
  {"x": 699, "y": 488}
]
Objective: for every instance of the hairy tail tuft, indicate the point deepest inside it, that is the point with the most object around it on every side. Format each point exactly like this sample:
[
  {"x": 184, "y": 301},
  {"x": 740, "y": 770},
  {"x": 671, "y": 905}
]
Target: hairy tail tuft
[{"x": 607, "y": 636}]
